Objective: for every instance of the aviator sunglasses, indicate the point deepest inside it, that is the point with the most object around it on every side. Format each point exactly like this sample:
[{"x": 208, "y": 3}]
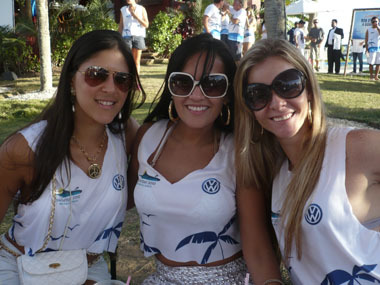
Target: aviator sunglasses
[
  {"x": 213, "y": 85},
  {"x": 288, "y": 84},
  {"x": 96, "y": 75}
]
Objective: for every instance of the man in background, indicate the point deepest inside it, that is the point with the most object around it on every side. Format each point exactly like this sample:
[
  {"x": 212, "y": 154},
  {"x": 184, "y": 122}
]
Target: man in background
[
  {"x": 236, "y": 29},
  {"x": 299, "y": 37},
  {"x": 372, "y": 45},
  {"x": 212, "y": 19},
  {"x": 290, "y": 34},
  {"x": 316, "y": 36},
  {"x": 333, "y": 44}
]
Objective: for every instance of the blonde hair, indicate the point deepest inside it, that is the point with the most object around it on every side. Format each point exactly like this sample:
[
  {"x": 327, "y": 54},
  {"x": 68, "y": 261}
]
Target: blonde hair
[{"x": 258, "y": 153}]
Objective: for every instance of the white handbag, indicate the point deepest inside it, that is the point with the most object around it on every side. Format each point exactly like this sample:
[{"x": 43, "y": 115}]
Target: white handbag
[{"x": 53, "y": 267}]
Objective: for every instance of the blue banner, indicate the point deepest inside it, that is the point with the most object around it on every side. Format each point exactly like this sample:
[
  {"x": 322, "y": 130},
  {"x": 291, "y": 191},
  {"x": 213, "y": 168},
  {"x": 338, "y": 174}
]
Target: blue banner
[{"x": 362, "y": 21}]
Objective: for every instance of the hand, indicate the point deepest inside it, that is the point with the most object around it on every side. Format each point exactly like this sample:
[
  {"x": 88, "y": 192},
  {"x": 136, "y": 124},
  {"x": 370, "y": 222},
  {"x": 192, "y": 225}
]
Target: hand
[{"x": 132, "y": 10}]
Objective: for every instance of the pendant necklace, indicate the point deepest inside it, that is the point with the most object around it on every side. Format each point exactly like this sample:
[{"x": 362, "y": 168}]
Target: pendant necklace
[{"x": 94, "y": 170}]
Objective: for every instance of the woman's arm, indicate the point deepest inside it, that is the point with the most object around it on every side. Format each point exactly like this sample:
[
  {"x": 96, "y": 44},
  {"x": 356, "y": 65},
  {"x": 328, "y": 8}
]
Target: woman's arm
[
  {"x": 15, "y": 170},
  {"x": 133, "y": 167},
  {"x": 257, "y": 247},
  {"x": 144, "y": 20}
]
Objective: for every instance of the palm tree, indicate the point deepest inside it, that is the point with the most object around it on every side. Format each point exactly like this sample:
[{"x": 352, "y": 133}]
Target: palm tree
[
  {"x": 275, "y": 19},
  {"x": 216, "y": 239},
  {"x": 46, "y": 75},
  {"x": 359, "y": 276}
]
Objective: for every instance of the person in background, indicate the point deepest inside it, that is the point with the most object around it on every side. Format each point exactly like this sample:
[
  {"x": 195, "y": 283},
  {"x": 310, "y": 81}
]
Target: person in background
[
  {"x": 236, "y": 28},
  {"x": 212, "y": 19},
  {"x": 372, "y": 45},
  {"x": 357, "y": 53},
  {"x": 299, "y": 37},
  {"x": 132, "y": 26},
  {"x": 316, "y": 36},
  {"x": 323, "y": 181},
  {"x": 250, "y": 26},
  {"x": 71, "y": 161},
  {"x": 333, "y": 44},
  {"x": 225, "y": 11},
  {"x": 290, "y": 33},
  {"x": 182, "y": 166}
]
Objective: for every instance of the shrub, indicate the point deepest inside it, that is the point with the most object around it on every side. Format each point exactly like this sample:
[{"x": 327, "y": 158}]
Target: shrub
[{"x": 162, "y": 36}]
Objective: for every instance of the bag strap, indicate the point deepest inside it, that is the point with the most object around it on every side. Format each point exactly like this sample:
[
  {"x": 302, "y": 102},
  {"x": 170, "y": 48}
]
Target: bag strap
[{"x": 52, "y": 212}]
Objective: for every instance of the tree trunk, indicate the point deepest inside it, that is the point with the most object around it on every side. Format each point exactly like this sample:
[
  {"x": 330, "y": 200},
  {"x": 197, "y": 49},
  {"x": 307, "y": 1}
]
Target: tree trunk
[
  {"x": 46, "y": 76},
  {"x": 275, "y": 19},
  {"x": 28, "y": 9}
]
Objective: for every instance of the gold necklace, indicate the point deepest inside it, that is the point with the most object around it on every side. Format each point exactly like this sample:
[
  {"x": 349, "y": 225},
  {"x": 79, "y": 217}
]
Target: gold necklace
[{"x": 94, "y": 170}]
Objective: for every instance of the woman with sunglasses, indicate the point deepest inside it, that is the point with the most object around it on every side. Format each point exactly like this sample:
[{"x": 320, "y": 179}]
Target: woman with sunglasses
[
  {"x": 183, "y": 169},
  {"x": 323, "y": 181},
  {"x": 70, "y": 163}
]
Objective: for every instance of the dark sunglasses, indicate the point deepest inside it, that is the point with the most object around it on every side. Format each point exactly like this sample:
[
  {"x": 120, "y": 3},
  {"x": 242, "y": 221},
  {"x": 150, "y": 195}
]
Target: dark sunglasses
[
  {"x": 213, "y": 85},
  {"x": 288, "y": 84},
  {"x": 374, "y": 21},
  {"x": 96, "y": 75}
]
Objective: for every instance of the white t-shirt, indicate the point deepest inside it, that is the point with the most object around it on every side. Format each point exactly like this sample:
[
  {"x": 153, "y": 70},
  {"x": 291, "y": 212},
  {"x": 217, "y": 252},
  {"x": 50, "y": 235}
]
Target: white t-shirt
[
  {"x": 300, "y": 36},
  {"x": 214, "y": 20},
  {"x": 132, "y": 27},
  {"x": 357, "y": 46},
  {"x": 185, "y": 220},
  {"x": 373, "y": 40},
  {"x": 236, "y": 31},
  {"x": 336, "y": 247}
]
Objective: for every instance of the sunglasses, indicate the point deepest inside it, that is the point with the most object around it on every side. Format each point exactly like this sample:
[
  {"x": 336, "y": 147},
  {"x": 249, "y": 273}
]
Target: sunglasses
[
  {"x": 96, "y": 75},
  {"x": 374, "y": 22},
  {"x": 213, "y": 85},
  {"x": 288, "y": 84}
]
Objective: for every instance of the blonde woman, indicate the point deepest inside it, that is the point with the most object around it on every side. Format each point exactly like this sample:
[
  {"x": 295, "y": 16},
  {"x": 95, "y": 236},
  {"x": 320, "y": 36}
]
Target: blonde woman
[{"x": 323, "y": 182}]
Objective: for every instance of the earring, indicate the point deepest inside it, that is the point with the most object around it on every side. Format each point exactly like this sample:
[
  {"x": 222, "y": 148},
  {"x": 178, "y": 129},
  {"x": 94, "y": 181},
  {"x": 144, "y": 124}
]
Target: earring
[
  {"x": 310, "y": 114},
  {"x": 227, "y": 122},
  {"x": 120, "y": 116},
  {"x": 170, "y": 109},
  {"x": 73, "y": 94}
]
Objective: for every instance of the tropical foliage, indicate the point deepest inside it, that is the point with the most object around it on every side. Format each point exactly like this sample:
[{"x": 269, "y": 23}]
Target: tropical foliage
[{"x": 161, "y": 36}]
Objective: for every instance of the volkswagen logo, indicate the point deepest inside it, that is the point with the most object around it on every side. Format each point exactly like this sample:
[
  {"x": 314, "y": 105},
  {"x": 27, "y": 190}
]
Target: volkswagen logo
[
  {"x": 118, "y": 182},
  {"x": 211, "y": 186},
  {"x": 313, "y": 214}
]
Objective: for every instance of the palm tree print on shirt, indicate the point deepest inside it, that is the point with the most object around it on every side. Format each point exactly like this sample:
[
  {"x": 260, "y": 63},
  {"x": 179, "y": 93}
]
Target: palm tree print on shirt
[
  {"x": 204, "y": 237},
  {"x": 146, "y": 247},
  {"x": 359, "y": 276},
  {"x": 107, "y": 233}
]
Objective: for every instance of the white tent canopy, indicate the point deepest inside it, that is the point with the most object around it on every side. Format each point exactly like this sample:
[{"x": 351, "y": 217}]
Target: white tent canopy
[{"x": 305, "y": 7}]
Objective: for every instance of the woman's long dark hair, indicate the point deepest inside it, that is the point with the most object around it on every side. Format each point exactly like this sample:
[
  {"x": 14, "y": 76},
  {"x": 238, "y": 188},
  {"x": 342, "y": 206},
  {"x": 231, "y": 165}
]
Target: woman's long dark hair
[
  {"x": 212, "y": 48},
  {"x": 53, "y": 147}
]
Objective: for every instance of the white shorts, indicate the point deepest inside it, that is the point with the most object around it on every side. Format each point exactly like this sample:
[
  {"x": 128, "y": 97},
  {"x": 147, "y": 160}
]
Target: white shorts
[
  {"x": 9, "y": 270},
  {"x": 373, "y": 58}
]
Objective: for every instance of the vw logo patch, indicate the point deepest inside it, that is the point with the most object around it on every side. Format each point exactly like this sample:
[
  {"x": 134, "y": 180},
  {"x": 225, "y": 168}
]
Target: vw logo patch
[
  {"x": 313, "y": 214},
  {"x": 118, "y": 182},
  {"x": 211, "y": 186}
]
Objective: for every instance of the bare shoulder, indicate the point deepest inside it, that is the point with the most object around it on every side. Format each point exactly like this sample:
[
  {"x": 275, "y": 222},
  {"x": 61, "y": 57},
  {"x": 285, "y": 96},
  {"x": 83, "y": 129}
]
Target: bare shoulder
[
  {"x": 16, "y": 159},
  {"x": 15, "y": 150},
  {"x": 141, "y": 132},
  {"x": 363, "y": 147}
]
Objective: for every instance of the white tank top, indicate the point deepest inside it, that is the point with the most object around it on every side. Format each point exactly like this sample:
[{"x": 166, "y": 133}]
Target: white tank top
[
  {"x": 336, "y": 247},
  {"x": 373, "y": 40},
  {"x": 193, "y": 219},
  {"x": 132, "y": 27},
  {"x": 98, "y": 205}
]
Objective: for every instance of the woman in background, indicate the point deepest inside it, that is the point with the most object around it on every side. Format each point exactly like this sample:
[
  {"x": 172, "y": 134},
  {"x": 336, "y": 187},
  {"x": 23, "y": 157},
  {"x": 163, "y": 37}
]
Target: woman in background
[{"x": 132, "y": 26}]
